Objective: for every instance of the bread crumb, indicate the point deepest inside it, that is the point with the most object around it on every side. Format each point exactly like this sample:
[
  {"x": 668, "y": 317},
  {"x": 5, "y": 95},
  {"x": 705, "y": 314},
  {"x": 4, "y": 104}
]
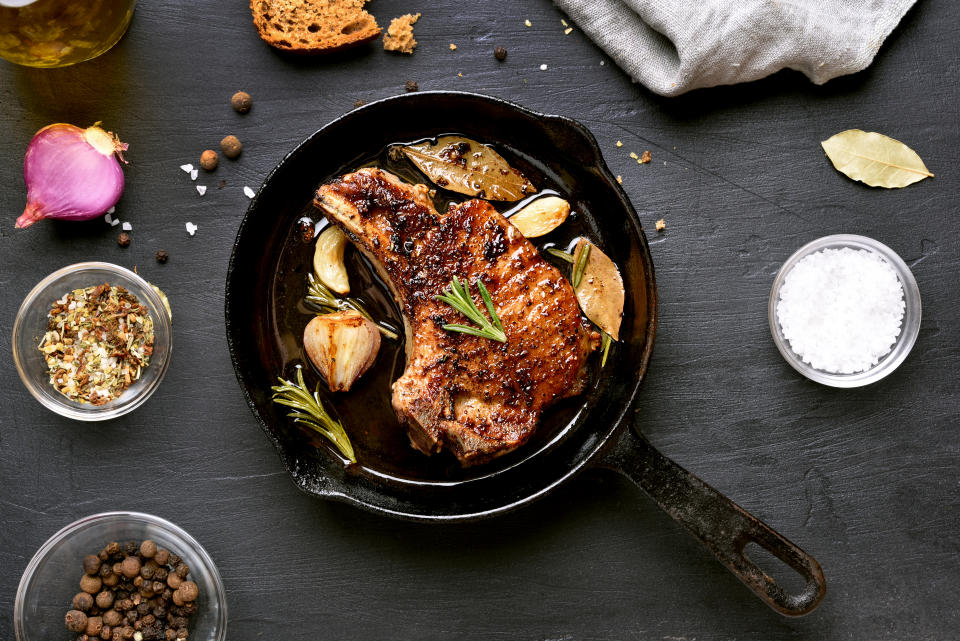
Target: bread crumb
[
  {"x": 399, "y": 36},
  {"x": 567, "y": 31},
  {"x": 661, "y": 224},
  {"x": 564, "y": 22},
  {"x": 460, "y": 75},
  {"x": 453, "y": 47},
  {"x": 634, "y": 155},
  {"x": 619, "y": 143},
  {"x": 645, "y": 158},
  {"x": 528, "y": 23},
  {"x": 620, "y": 179}
]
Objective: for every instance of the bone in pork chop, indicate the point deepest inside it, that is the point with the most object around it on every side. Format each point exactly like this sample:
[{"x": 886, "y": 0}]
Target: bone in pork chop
[{"x": 477, "y": 397}]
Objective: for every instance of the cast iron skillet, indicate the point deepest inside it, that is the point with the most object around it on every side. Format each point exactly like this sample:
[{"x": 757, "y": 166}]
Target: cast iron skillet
[{"x": 597, "y": 433}]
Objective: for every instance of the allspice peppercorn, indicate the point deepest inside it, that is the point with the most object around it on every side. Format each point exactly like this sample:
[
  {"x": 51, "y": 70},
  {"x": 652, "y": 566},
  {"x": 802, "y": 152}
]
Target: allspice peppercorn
[
  {"x": 148, "y": 549},
  {"x": 123, "y": 239},
  {"x": 500, "y": 53},
  {"x": 90, "y": 584},
  {"x": 208, "y": 161},
  {"x": 241, "y": 102},
  {"x": 76, "y": 621},
  {"x": 231, "y": 146},
  {"x": 130, "y": 567},
  {"x": 91, "y": 564},
  {"x": 105, "y": 599},
  {"x": 162, "y": 256},
  {"x": 82, "y": 601}
]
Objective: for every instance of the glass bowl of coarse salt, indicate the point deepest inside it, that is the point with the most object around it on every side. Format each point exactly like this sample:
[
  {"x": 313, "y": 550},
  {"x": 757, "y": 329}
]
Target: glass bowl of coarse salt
[{"x": 844, "y": 310}]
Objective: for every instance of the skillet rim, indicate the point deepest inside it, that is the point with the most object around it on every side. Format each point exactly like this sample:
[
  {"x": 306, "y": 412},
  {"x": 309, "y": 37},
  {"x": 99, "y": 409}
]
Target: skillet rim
[{"x": 340, "y": 489}]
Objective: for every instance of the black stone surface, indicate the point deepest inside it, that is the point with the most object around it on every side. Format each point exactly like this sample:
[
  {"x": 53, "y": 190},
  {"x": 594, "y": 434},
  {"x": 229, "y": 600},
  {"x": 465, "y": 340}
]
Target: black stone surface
[{"x": 865, "y": 480}]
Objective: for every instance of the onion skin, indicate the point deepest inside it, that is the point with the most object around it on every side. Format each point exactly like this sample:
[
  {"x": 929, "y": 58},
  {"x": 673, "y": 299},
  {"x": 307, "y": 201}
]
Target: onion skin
[{"x": 71, "y": 173}]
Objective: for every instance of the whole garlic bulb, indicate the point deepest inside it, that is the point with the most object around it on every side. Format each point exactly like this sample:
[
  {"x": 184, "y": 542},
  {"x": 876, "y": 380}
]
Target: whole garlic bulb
[{"x": 343, "y": 346}]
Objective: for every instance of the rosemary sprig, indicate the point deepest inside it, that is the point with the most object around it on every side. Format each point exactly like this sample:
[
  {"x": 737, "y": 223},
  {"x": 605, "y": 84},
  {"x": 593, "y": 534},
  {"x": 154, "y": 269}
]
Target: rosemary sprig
[
  {"x": 559, "y": 253},
  {"x": 580, "y": 265},
  {"x": 308, "y": 410},
  {"x": 320, "y": 296},
  {"x": 605, "y": 341},
  {"x": 458, "y": 297}
]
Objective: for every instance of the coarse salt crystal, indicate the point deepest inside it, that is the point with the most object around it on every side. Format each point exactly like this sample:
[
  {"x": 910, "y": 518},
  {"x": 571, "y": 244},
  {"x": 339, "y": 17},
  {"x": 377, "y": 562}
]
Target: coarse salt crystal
[
  {"x": 543, "y": 67},
  {"x": 194, "y": 173},
  {"x": 187, "y": 168},
  {"x": 111, "y": 210},
  {"x": 127, "y": 227},
  {"x": 841, "y": 310},
  {"x": 191, "y": 229},
  {"x": 108, "y": 218},
  {"x": 201, "y": 189},
  {"x": 114, "y": 222},
  {"x": 249, "y": 193}
]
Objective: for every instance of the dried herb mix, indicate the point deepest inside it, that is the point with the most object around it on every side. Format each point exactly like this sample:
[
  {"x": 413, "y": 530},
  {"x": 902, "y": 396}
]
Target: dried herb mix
[{"x": 98, "y": 342}]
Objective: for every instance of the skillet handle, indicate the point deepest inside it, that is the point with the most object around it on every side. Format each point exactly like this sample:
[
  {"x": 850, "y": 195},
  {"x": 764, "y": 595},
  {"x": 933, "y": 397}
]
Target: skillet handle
[{"x": 721, "y": 525}]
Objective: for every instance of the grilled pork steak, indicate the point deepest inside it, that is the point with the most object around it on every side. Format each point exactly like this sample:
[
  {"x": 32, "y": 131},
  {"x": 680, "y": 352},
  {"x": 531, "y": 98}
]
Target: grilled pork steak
[{"x": 474, "y": 396}]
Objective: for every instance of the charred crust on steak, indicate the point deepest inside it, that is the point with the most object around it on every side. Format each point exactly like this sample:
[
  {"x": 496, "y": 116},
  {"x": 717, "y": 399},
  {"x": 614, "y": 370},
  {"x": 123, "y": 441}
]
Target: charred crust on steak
[{"x": 472, "y": 396}]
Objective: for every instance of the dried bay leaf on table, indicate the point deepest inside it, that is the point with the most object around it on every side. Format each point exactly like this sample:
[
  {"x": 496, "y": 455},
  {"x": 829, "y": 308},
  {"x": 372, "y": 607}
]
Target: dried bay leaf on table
[
  {"x": 875, "y": 159},
  {"x": 468, "y": 167}
]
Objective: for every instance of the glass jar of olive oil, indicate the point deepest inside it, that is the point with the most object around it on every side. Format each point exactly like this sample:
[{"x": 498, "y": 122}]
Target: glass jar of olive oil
[{"x": 57, "y": 33}]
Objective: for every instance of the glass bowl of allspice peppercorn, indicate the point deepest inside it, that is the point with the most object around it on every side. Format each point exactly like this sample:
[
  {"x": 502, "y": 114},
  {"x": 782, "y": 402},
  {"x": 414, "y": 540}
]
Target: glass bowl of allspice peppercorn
[{"x": 119, "y": 576}]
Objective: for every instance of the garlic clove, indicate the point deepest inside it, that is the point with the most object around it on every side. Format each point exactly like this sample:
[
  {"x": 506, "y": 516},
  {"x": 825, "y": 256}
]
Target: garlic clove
[
  {"x": 343, "y": 346},
  {"x": 328, "y": 260},
  {"x": 541, "y": 216}
]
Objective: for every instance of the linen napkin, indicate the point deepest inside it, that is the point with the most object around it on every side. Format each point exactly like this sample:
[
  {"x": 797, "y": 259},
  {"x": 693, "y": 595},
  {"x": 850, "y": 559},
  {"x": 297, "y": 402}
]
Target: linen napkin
[{"x": 673, "y": 46}]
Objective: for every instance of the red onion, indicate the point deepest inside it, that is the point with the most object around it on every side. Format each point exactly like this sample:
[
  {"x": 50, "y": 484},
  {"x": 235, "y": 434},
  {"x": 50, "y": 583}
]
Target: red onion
[{"x": 71, "y": 173}]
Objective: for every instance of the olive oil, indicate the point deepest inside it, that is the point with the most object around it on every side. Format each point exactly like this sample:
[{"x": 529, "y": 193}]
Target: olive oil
[{"x": 57, "y": 33}]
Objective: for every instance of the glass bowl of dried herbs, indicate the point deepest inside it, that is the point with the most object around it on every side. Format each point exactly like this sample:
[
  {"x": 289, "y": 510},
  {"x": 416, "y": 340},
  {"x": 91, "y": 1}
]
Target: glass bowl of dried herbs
[
  {"x": 58, "y": 571},
  {"x": 92, "y": 341}
]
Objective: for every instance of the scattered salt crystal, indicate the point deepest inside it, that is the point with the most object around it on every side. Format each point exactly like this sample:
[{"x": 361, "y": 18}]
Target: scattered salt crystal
[
  {"x": 187, "y": 168},
  {"x": 108, "y": 218},
  {"x": 602, "y": 63},
  {"x": 115, "y": 222},
  {"x": 111, "y": 210},
  {"x": 127, "y": 227},
  {"x": 841, "y": 310},
  {"x": 191, "y": 229},
  {"x": 249, "y": 193},
  {"x": 543, "y": 67},
  {"x": 201, "y": 189},
  {"x": 528, "y": 23},
  {"x": 194, "y": 173}
]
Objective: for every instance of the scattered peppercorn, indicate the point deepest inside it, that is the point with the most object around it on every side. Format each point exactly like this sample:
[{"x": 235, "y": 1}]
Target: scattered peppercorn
[
  {"x": 500, "y": 53},
  {"x": 231, "y": 146},
  {"x": 162, "y": 256},
  {"x": 221, "y": 184},
  {"x": 123, "y": 239},
  {"x": 410, "y": 85},
  {"x": 241, "y": 102},
  {"x": 135, "y": 602},
  {"x": 209, "y": 159}
]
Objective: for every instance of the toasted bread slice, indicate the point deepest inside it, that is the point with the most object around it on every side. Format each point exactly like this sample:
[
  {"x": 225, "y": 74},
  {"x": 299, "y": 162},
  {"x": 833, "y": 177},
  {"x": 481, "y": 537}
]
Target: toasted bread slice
[{"x": 313, "y": 26}]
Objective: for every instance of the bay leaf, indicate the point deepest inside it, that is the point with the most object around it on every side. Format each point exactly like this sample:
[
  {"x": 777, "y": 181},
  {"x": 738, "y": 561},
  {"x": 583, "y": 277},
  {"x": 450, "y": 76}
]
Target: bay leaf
[
  {"x": 600, "y": 289},
  {"x": 875, "y": 159},
  {"x": 468, "y": 167}
]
